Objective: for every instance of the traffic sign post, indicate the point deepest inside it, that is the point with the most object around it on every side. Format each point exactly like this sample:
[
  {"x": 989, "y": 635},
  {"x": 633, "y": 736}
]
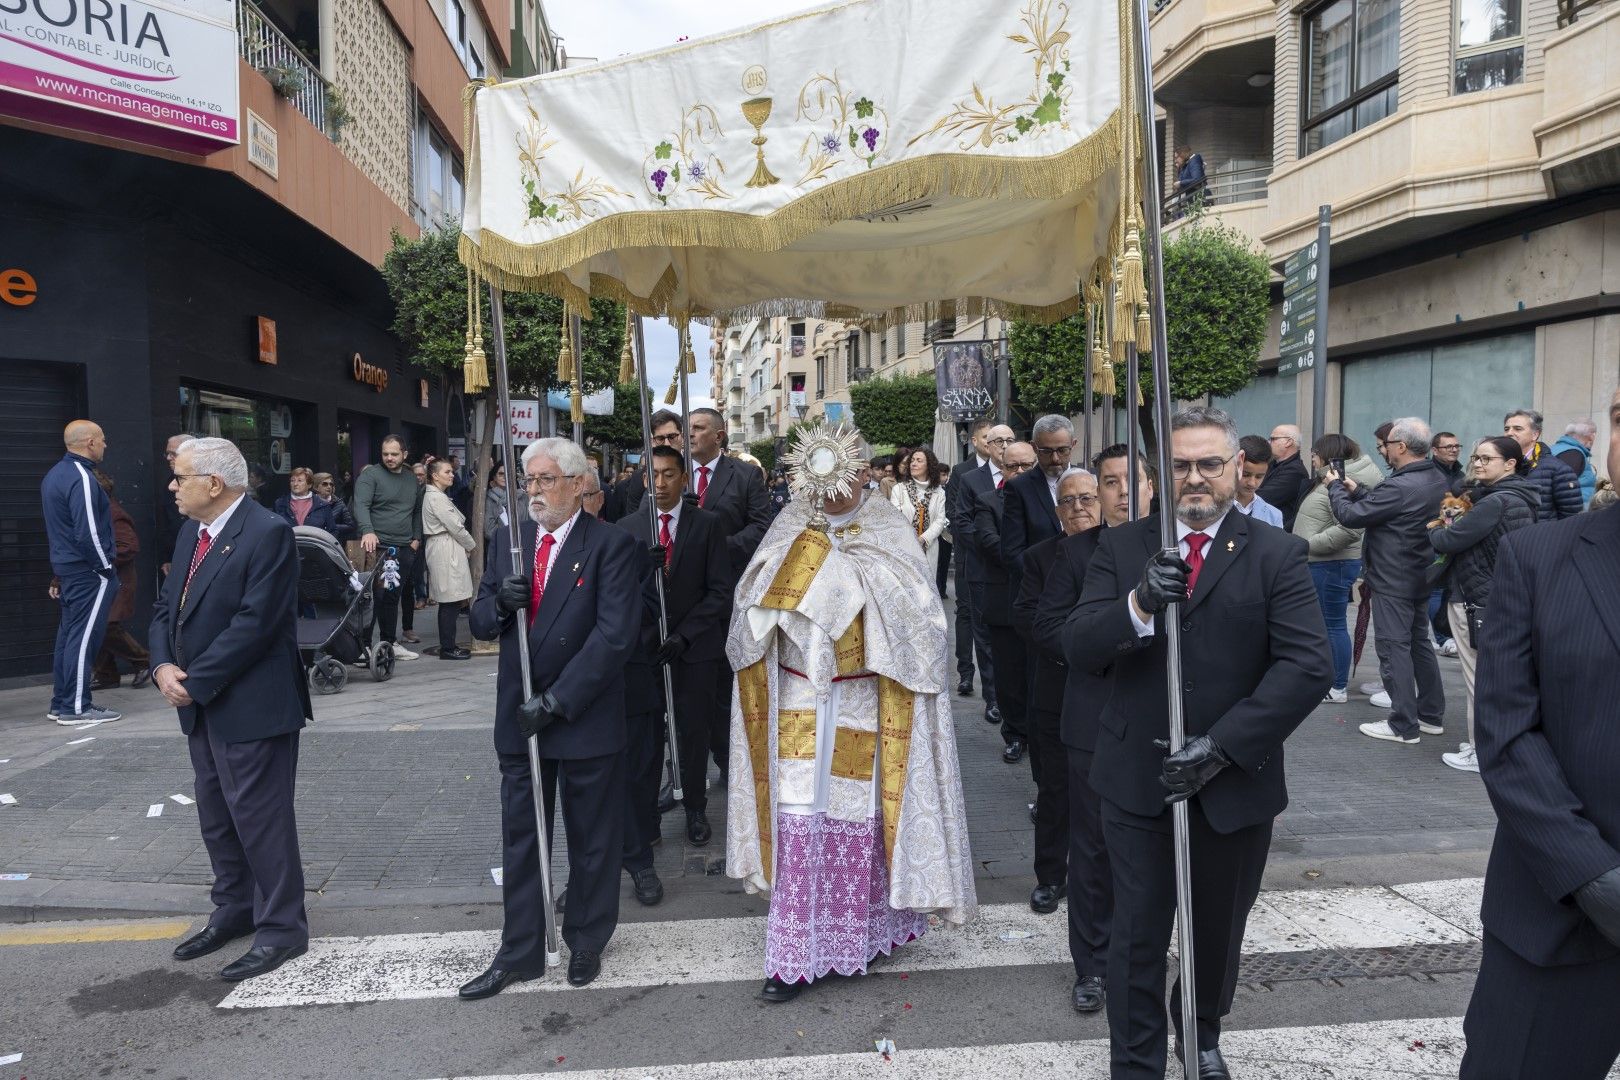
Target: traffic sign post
[{"x": 1304, "y": 316}]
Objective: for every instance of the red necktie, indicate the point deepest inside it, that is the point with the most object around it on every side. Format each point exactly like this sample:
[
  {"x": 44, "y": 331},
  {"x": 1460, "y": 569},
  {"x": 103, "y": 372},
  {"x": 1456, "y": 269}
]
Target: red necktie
[
  {"x": 1196, "y": 542},
  {"x": 204, "y": 542},
  {"x": 703, "y": 483},
  {"x": 1001, "y": 483},
  {"x": 542, "y": 558},
  {"x": 666, "y": 541}
]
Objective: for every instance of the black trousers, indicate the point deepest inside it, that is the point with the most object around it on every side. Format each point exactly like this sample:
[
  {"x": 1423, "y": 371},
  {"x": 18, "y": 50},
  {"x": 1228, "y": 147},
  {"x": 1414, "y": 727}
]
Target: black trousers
[
  {"x": 695, "y": 717},
  {"x": 943, "y": 571},
  {"x": 979, "y": 631},
  {"x": 245, "y": 810},
  {"x": 1091, "y": 884},
  {"x": 1226, "y": 871},
  {"x": 389, "y": 600},
  {"x": 1010, "y": 657},
  {"x": 725, "y": 683},
  {"x": 643, "y": 771},
  {"x": 593, "y": 810},
  {"x": 1527, "y": 1022},
  {"x": 449, "y": 612},
  {"x": 1049, "y": 763}
]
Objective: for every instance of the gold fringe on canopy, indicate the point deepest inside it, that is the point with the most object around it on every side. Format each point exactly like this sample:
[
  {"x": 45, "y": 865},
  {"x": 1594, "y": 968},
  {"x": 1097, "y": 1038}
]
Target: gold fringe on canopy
[{"x": 627, "y": 356}]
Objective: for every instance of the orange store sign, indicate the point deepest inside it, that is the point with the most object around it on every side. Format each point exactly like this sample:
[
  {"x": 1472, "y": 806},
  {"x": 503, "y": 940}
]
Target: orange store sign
[{"x": 18, "y": 288}]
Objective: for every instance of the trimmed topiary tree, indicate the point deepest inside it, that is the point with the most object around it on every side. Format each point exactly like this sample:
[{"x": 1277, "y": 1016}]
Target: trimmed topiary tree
[{"x": 898, "y": 411}]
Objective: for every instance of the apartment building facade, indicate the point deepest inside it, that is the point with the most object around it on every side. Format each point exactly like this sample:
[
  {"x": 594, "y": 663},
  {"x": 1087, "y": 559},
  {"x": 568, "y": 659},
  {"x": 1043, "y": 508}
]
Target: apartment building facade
[
  {"x": 1470, "y": 150},
  {"x": 158, "y": 280}
]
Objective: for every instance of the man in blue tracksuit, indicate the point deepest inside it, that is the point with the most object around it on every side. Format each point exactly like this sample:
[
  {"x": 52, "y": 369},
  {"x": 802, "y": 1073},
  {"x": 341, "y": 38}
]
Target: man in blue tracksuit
[{"x": 78, "y": 523}]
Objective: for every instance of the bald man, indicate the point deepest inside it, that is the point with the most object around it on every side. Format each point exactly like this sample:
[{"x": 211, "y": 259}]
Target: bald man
[
  {"x": 78, "y": 525},
  {"x": 1286, "y": 478}
]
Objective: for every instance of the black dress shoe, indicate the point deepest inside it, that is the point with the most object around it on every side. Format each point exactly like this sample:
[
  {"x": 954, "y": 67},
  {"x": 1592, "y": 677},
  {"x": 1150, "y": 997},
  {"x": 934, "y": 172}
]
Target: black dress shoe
[
  {"x": 1014, "y": 752},
  {"x": 454, "y": 654},
  {"x": 697, "y": 828},
  {"x": 649, "y": 890},
  {"x": 1211, "y": 1066},
  {"x": 583, "y": 967},
  {"x": 105, "y": 684},
  {"x": 1044, "y": 900},
  {"x": 776, "y": 991},
  {"x": 1033, "y": 820},
  {"x": 261, "y": 960},
  {"x": 992, "y": 715},
  {"x": 1089, "y": 994},
  {"x": 141, "y": 677},
  {"x": 493, "y": 982},
  {"x": 965, "y": 688},
  {"x": 666, "y": 800},
  {"x": 209, "y": 939}
]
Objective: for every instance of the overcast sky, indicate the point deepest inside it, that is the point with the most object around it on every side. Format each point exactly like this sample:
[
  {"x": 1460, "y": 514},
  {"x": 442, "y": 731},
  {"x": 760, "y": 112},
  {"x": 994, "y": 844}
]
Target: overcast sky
[{"x": 607, "y": 28}]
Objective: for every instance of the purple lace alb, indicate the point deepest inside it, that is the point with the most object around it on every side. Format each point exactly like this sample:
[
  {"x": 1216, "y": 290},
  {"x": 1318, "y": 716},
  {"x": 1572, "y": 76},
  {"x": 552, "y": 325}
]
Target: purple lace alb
[{"x": 829, "y": 903}]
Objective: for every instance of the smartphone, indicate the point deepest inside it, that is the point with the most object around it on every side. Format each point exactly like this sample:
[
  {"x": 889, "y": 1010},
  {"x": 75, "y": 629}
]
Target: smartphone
[{"x": 1337, "y": 465}]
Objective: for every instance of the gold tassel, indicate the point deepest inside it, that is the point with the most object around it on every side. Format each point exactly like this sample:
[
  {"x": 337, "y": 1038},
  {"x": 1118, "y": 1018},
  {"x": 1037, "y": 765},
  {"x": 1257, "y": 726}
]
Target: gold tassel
[
  {"x": 474, "y": 370},
  {"x": 576, "y": 404},
  {"x": 565, "y": 355},
  {"x": 1102, "y": 371},
  {"x": 1144, "y": 331},
  {"x": 627, "y": 356},
  {"x": 1132, "y": 289},
  {"x": 674, "y": 385},
  {"x": 691, "y": 359}
]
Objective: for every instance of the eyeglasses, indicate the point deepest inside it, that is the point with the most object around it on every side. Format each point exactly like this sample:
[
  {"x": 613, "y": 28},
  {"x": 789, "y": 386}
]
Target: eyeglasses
[
  {"x": 180, "y": 477},
  {"x": 1017, "y": 466},
  {"x": 1392, "y": 442},
  {"x": 1078, "y": 500},
  {"x": 1446, "y": 446},
  {"x": 1055, "y": 451},
  {"x": 1209, "y": 468},
  {"x": 1001, "y": 442},
  {"x": 1480, "y": 459},
  {"x": 542, "y": 483},
  {"x": 667, "y": 440},
  {"x": 1282, "y": 438}
]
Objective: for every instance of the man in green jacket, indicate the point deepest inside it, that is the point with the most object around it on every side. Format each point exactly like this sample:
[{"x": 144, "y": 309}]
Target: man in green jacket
[{"x": 387, "y": 507}]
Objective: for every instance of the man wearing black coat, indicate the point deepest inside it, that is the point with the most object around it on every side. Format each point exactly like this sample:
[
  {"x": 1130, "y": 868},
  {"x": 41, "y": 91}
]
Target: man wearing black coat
[
  {"x": 1544, "y": 1002},
  {"x": 1255, "y": 663},
  {"x": 579, "y": 603},
  {"x": 1029, "y": 512},
  {"x": 224, "y": 643},
  {"x": 1008, "y": 651},
  {"x": 734, "y": 492},
  {"x": 977, "y": 486},
  {"x": 960, "y": 513},
  {"x": 626, "y": 496},
  {"x": 697, "y": 586},
  {"x": 1287, "y": 478}
]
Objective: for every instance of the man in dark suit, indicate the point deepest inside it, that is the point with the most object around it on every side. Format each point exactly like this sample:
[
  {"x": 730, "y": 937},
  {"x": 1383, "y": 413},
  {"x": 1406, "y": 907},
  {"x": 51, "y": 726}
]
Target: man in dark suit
[
  {"x": 1233, "y": 581},
  {"x": 1287, "y": 478},
  {"x": 626, "y": 496},
  {"x": 1008, "y": 651},
  {"x": 580, "y": 605},
  {"x": 1544, "y": 1002},
  {"x": 1029, "y": 513},
  {"x": 224, "y": 643},
  {"x": 733, "y": 491},
  {"x": 960, "y": 515},
  {"x": 697, "y": 585},
  {"x": 977, "y": 486},
  {"x": 1077, "y": 509},
  {"x": 1090, "y": 883}
]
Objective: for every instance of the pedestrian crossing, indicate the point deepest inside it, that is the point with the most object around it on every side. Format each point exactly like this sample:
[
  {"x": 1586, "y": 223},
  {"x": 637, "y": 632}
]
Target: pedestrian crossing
[{"x": 402, "y": 967}]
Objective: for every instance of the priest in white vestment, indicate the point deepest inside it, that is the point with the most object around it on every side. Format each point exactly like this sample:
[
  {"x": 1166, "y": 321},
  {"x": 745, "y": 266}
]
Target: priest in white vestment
[{"x": 845, "y": 799}]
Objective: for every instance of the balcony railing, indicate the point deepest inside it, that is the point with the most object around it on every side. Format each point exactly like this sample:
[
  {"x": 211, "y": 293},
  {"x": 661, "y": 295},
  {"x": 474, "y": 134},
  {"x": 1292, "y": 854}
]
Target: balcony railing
[
  {"x": 294, "y": 75},
  {"x": 1570, "y": 10},
  {"x": 1234, "y": 182}
]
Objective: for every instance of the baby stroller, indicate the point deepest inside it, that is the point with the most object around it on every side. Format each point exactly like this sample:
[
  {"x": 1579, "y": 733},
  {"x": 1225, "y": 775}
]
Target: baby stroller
[{"x": 335, "y": 620}]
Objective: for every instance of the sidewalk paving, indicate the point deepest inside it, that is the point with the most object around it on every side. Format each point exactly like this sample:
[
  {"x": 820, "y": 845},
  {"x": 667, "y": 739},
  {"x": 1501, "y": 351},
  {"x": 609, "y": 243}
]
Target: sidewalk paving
[{"x": 398, "y": 799}]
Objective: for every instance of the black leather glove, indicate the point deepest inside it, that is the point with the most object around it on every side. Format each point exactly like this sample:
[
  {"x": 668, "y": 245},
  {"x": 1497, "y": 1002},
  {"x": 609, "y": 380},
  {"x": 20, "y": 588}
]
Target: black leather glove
[
  {"x": 1164, "y": 582},
  {"x": 673, "y": 648},
  {"x": 537, "y": 714},
  {"x": 1599, "y": 900},
  {"x": 656, "y": 554},
  {"x": 1190, "y": 768},
  {"x": 512, "y": 596}
]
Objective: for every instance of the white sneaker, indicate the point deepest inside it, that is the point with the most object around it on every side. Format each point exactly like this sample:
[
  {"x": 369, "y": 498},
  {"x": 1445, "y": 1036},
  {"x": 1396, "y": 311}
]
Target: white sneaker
[
  {"x": 1463, "y": 760},
  {"x": 1449, "y": 648},
  {"x": 1431, "y": 729},
  {"x": 1382, "y": 730},
  {"x": 402, "y": 653},
  {"x": 1337, "y": 697},
  {"x": 92, "y": 716},
  {"x": 1371, "y": 688},
  {"x": 1379, "y": 700}
]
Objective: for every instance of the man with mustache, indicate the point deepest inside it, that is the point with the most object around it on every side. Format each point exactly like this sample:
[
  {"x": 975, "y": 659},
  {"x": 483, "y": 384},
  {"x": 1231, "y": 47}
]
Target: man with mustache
[
  {"x": 579, "y": 602},
  {"x": 1228, "y": 581}
]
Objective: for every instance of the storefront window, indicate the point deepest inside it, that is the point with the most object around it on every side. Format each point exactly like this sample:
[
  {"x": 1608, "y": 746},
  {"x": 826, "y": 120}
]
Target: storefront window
[
  {"x": 1463, "y": 387},
  {"x": 264, "y": 429}
]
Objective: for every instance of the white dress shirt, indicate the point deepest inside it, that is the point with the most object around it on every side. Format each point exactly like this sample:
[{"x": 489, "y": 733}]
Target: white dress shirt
[
  {"x": 560, "y": 535},
  {"x": 212, "y": 529},
  {"x": 674, "y": 521},
  {"x": 1144, "y": 627}
]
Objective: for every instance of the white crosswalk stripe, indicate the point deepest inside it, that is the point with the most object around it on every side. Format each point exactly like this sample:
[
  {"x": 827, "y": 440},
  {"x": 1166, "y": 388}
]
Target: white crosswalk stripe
[{"x": 397, "y": 967}]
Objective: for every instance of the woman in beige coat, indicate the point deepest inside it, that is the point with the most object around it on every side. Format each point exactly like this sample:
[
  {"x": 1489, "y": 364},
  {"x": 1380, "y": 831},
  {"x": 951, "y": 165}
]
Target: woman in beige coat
[{"x": 450, "y": 580}]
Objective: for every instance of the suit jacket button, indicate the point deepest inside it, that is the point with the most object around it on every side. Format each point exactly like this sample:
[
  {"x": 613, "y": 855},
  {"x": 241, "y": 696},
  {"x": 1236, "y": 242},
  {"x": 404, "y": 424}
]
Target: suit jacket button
[
  {"x": 1186, "y": 627},
  {"x": 1187, "y": 686},
  {"x": 562, "y": 641}
]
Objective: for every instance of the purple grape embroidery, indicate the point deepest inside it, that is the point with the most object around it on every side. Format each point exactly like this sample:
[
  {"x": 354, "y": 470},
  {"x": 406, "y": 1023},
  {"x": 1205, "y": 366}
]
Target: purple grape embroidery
[
  {"x": 658, "y": 178},
  {"x": 871, "y": 137}
]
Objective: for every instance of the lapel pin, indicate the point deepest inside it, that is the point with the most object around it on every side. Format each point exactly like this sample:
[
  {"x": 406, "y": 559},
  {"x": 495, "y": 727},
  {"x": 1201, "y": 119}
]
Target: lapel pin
[
  {"x": 1231, "y": 545},
  {"x": 576, "y": 568}
]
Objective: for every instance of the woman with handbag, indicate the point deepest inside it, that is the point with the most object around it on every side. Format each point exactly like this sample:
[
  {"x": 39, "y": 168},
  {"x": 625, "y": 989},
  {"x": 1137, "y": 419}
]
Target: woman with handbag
[
  {"x": 450, "y": 580},
  {"x": 1502, "y": 502},
  {"x": 919, "y": 496}
]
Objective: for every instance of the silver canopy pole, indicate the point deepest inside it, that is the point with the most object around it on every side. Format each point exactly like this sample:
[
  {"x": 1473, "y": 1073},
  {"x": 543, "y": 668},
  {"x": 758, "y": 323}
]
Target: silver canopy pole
[
  {"x": 652, "y": 521},
  {"x": 520, "y": 626},
  {"x": 1085, "y": 379}
]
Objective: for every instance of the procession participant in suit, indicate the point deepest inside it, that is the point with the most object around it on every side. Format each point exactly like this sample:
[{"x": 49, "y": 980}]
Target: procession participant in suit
[
  {"x": 846, "y": 804},
  {"x": 976, "y": 484},
  {"x": 224, "y": 644},
  {"x": 735, "y": 493},
  {"x": 1029, "y": 511},
  {"x": 1048, "y": 761},
  {"x": 580, "y": 606},
  {"x": 969, "y": 642},
  {"x": 1544, "y": 1001},
  {"x": 1090, "y": 881},
  {"x": 1008, "y": 650},
  {"x": 1232, "y": 581},
  {"x": 697, "y": 597}
]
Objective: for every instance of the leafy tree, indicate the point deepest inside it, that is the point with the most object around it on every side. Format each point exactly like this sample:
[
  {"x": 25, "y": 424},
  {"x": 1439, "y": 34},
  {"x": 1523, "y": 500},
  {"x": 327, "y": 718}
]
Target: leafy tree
[
  {"x": 765, "y": 451},
  {"x": 429, "y": 288},
  {"x": 1217, "y": 294},
  {"x": 622, "y": 430},
  {"x": 899, "y": 411}
]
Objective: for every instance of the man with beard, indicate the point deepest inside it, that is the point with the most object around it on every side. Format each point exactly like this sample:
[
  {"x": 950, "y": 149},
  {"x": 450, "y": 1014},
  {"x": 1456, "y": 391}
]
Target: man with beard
[
  {"x": 579, "y": 600},
  {"x": 1229, "y": 581}
]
